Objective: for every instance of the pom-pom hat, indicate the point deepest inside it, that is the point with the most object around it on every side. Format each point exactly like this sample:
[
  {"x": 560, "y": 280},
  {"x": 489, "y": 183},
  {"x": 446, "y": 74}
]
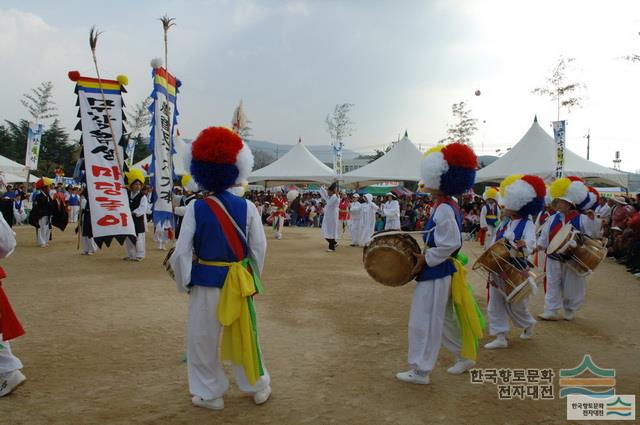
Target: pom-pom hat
[
  {"x": 42, "y": 182},
  {"x": 134, "y": 175},
  {"x": 491, "y": 193},
  {"x": 188, "y": 183},
  {"x": 523, "y": 194},
  {"x": 219, "y": 159},
  {"x": 594, "y": 197},
  {"x": 571, "y": 189},
  {"x": 449, "y": 169}
]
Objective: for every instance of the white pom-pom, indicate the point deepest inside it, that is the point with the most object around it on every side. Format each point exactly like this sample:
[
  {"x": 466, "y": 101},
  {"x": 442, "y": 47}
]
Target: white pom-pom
[
  {"x": 156, "y": 63},
  {"x": 244, "y": 162},
  {"x": 517, "y": 195},
  {"x": 576, "y": 192},
  {"x": 292, "y": 194},
  {"x": 432, "y": 167}
]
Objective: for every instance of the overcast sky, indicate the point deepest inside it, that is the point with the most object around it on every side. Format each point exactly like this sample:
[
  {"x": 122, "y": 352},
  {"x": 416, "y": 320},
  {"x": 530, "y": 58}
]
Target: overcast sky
[{"x": 402, "y": 63}]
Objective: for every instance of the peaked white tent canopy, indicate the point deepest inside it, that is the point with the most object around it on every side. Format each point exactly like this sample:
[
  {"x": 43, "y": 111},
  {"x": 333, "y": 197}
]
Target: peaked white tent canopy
[
  {"x": 296, "y": 166},
  {"x": 535, "y": 154},
  {"x": 401, "y": 163},
  {"x": 13, "y": 172}
]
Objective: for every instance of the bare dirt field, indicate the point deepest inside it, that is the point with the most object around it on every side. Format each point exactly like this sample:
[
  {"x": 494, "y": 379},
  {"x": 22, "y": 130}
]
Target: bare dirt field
[{"x": 105, "y": 342}]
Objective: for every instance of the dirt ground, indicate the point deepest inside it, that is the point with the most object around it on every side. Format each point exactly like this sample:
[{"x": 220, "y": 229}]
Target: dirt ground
[{"x": 105, "y": 342}]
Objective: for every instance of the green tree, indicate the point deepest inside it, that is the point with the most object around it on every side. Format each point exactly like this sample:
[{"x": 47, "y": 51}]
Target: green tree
[
  {"x": 56, "y": 150},
  {"x": 14, "y": 140},
  {"x": 559, "y": 89},
  {"x": 465, "y": 126}
]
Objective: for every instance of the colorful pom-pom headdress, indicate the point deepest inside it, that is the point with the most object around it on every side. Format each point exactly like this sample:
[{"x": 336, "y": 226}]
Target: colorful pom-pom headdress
[
  {"x": 42, "y": 182},
  {"x": 594, "y": 197},
  {"x": 491, "y": 193},
  {"x": 134, "y": 175},
  {"x": 523, "y": 193},
  {"x": 571, "y": 189},
  {"x": 219, "y": 159},
  {"x": 189, "y": 184},
  {"x": 449, "y": 169}
]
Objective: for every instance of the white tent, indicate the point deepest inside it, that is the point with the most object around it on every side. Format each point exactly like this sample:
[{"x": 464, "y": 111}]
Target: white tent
[
  {"x": 401, "y": 163},
  {"x": 535, "y": 154},
  {"x": 296, "y": 166},
  {"x": 14, "y": 172},
  {"x": 178, "y": 159}
]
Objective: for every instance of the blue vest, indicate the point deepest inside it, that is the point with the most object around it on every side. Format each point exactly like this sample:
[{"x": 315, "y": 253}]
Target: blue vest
[
  {"x": 492, "y": 214},
  {"x": 74, "y": 200},
  {"x": 558, "y": 221},
  {"x": 210, "y": 243},
  {"x": 446, "y": 268},
  {"x": 520, "y": 259}
]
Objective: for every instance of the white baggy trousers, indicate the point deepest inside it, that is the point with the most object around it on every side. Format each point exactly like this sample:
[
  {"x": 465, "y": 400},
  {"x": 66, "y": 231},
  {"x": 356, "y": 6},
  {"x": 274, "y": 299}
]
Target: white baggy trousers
[
  {"x": 43, "y": 233},
  {"x": 8, "y": 362},
  {"x": 136, "y": 250},
  {"x": 500, "y": 311},
  {"x": 432, "y": 322},
  {"x": 565, "y": 289},
  {"x": 206, "y": 375}
]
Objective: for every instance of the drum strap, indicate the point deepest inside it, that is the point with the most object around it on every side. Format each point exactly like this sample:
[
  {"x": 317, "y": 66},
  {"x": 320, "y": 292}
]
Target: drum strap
[{"x": 558, "y": 223}]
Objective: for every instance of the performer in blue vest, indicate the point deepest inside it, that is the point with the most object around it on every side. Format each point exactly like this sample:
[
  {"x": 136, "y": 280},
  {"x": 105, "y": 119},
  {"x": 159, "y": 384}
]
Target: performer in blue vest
[
  {"x": 446, "y": 170},
  {"x": 489, "y": 215},
  {"x": 74, "y": 205},
  {"x": 523, "y": 198},
  {"x": 224, "y": 232},
  {"x": 565, "y": 288}
]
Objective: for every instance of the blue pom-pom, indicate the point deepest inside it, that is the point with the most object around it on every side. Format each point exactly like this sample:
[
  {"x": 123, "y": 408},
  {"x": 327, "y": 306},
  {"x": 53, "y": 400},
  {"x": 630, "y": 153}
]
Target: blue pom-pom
[
  {"x": 215, "y": 178},
  {"x": 457, "y": 180},
  {"x": 532, "y": 208}
]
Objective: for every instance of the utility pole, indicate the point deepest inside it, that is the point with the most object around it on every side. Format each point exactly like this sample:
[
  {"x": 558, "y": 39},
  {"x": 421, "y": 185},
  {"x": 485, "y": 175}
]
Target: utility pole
[{"x": 588, "y": 137}]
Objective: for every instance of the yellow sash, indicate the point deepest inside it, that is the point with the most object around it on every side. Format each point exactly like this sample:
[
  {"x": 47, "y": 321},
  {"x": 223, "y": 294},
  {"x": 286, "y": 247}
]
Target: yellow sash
[
  {"x": 239, "y": 338},
  {"x": 469, "y": 316}
]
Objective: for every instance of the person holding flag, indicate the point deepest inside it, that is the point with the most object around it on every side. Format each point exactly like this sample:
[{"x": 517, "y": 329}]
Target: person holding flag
[
  {"x": 139, "y": 204},
  {"x": 42, "y": 211}
]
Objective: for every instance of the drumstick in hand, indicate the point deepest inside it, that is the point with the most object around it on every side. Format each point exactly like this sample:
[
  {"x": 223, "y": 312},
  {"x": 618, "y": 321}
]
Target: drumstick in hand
[{"x": 420, "y": 263}]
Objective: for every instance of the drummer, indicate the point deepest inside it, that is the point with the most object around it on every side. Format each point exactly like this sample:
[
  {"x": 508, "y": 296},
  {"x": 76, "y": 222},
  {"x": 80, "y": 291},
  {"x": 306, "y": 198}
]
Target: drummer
[
  {"x": 565, "y": 288},
  {"x": 446, "y": 170},
  {"x": 489, "y": 216},
  {"x": 523, "y": 198}
]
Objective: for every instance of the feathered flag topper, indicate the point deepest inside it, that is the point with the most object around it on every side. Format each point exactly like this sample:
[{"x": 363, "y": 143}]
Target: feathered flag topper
[
  {"x": 571, "y": 189},
  {"x": 523, "y": 193},
  {"x": 219, "y": 159},
  {"x": 449, "y": 169},
  {"x": 491, "y": 193}
]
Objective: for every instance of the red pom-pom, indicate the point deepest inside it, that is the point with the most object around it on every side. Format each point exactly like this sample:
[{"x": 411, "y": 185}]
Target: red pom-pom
[
  {"x": 74, "y": 75},
  {"x": 537, "y": 183},
  {"x": 216, "y": 145},
  {"x": 460, "y": 155},
  {"x": 575, "y": 179}
]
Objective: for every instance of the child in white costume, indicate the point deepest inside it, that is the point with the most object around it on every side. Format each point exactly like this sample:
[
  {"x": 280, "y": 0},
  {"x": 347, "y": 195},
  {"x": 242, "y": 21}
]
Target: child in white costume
[
  {"x": 139, "y": 205},
  {"x": 225, "y": 233},
  {"x": 523, "y": 198},
  {"x": 490, "y": 214},
  {"x": 446, "y": 171}
]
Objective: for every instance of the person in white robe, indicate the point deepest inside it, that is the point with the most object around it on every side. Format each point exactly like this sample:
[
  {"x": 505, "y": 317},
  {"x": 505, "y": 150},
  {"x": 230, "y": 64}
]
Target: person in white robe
[
  {"x": 367, "y": 219},
  {"x": 391, "y": 213},
  {"x": 355, "y": 210},
  {"x": 330, "y": 226}
]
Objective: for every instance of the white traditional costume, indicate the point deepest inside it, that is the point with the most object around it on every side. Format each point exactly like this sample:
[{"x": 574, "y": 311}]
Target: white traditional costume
[
  {"x": 139, "y": 205},
  {"x": 330, "y": 229},
  {"x": 565, "y": 288},
  {"x": 391, "y": 212},
  {"x": 225, "y": 233},
  {"x": 490, "y": 214},
  {"x": 523, "y": 195},
  {"x": 355, "y": 212},
  {"x": 367, "y": 219}
]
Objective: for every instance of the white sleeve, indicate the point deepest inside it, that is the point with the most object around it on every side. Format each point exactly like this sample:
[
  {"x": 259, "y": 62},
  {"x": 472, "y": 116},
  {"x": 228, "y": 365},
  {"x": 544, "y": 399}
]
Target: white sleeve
[
  {"x": 179, "y": 211},
  {"x": 256, "y": 239},
  {"x": 323, "y": 194},
  {"x": 142, "y": 208},
  {"x": 529, "y": 235},
  {"x": 446, "y": 236},
  {"x": 483, "y": 216},
  {"x": 7, "y": 238},
  {"x": 183, "y": 254},
  {"x": 543, "y": 239},
  {"x": 589, "y": 226}
]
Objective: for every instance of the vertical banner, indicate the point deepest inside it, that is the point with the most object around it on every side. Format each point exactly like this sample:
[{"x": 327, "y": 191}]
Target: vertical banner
[
  {"x": 164, "y": 117},
  {"x": 34, "y": 136},
  {"x": 107, "y": 194},
  {"x": 559, "y": 136},
  {"x": 131, "y": 147}
]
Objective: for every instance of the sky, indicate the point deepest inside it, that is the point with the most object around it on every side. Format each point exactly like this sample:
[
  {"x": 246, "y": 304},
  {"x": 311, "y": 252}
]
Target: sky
[{"x": 401, "y": 63}]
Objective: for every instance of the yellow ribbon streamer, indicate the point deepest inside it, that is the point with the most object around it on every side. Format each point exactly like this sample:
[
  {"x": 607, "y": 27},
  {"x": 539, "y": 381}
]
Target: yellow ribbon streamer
[
  {"x": 238, "y": 343},
  {"x": 469, "y": 316}
]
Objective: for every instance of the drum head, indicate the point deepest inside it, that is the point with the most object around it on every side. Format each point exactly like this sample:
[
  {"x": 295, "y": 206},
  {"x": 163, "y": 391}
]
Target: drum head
[
  {"x": 560, "y": 239},
  {"x": 389, "y": 259}
]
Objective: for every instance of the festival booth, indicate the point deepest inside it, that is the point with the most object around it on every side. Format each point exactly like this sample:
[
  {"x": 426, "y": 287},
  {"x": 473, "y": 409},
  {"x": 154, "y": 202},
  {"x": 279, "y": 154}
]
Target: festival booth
[
  {"x": 297, "y": 166},
  {"x": 401, "y": 163},
  {"x": 536, "y": 154}
]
